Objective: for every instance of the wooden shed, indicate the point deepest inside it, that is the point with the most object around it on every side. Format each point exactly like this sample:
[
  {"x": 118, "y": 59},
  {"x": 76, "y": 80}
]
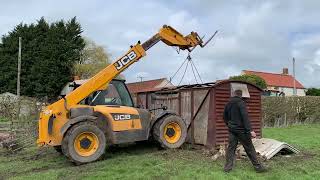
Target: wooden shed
[{"x": 202, "y": 105}]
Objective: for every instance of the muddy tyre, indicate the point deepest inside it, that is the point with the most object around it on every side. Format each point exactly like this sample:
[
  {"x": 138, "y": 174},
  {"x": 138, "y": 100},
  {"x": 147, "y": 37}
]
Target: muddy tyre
[
  {"x": 170, "y": 132},
  {"x": 84, "y": 143}
]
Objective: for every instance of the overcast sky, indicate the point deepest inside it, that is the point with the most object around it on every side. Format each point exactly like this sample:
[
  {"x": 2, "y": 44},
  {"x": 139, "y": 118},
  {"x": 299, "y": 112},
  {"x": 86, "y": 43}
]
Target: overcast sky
[{"x": 254, "y": 35}]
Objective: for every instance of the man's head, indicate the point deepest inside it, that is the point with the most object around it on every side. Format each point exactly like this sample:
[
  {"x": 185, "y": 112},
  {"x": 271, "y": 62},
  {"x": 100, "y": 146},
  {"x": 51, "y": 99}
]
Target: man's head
[{"x": 238, "y": 93}]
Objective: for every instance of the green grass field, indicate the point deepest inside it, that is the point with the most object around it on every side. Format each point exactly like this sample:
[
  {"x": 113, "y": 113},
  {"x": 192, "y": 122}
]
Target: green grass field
[{"x": 147, "y": 162}]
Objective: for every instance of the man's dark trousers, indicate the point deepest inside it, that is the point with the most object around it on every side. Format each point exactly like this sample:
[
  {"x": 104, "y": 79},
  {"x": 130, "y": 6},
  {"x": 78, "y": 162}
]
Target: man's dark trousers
[{"x": 245, "y": 140}]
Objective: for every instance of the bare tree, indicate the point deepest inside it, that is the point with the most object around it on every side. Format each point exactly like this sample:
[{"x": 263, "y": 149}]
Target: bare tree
[{"x": 93, "y": 59}]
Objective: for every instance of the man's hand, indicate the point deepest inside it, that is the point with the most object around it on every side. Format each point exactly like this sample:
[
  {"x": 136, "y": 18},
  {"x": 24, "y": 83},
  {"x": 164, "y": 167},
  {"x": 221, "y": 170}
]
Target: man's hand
[{"x": 253, "y": 134}]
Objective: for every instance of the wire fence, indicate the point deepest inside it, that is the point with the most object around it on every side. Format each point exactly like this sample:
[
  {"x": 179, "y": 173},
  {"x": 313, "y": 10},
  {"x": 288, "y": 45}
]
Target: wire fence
[
  {"x": 284, "y": 111},
  {"x": 18, "y": 132}
]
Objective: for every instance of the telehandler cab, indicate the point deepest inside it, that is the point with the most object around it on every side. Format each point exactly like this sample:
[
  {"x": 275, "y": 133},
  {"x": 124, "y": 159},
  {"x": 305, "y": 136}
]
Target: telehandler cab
[{"x": 100, "y": 112}]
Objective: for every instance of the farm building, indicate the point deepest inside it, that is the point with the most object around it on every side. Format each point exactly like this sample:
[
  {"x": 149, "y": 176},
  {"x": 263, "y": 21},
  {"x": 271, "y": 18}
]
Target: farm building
[
  {"x": 147, "y": 86},
  {"x": 280, "y": 84},
  {"x": 202, "y": 105}
]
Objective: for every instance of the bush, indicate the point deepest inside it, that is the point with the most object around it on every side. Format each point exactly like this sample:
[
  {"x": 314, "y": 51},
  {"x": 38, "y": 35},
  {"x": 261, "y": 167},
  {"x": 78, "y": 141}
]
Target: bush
[
  {"x": 251, "y": 78},
  {"x": 313, "y": 92},
  {"x": 283, "y": 111}
]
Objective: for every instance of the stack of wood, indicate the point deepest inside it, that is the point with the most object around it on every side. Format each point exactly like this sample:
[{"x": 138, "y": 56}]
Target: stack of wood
[{"x": 8, "y": 141}]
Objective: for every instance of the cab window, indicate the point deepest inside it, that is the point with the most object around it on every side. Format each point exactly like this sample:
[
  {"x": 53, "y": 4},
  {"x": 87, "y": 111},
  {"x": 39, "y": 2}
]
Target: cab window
[
  {"x": 115, "y": 94},
  {"x": 123, "y": 93}
]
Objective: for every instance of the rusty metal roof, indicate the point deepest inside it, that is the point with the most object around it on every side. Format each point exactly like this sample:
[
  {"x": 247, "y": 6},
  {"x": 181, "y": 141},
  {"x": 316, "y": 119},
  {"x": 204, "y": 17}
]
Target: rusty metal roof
[
  {"x": 146, "y": 86},
  {"x": 200, "y": 86}
]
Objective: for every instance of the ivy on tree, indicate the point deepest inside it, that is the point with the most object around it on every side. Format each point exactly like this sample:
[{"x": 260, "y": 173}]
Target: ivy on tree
[
  {"x": 49, "y": 52},
  {"x": 251, "y": 78}
]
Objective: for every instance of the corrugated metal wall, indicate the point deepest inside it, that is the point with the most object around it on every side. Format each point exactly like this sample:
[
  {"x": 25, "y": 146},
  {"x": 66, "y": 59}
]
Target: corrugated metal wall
[
  {"x": 208, "y": 127},
  {"x": 221, "y": 98}
]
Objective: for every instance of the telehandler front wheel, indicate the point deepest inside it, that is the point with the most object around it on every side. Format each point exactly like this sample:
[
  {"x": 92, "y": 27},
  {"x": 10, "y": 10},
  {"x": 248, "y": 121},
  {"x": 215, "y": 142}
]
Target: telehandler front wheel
[
  {"x": 84, "y": 143},
  {"x": 170, "y": 131}
]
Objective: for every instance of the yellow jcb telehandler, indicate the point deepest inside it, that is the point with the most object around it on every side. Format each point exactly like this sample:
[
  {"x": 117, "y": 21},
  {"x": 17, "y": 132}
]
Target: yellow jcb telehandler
[{"x": 100, "y": 112}]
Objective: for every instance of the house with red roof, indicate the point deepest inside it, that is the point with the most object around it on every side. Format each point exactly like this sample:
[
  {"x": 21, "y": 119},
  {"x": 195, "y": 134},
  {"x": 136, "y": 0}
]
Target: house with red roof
[
  {"x": 143, "y": 87},
  {"x": 280, "y": 83},
  {"x": 147, "y": 86}
]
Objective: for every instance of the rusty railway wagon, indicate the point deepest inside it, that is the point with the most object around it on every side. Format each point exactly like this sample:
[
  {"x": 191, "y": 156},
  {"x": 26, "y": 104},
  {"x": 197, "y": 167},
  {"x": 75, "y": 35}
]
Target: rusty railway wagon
[{"x": 202, "y": 105}]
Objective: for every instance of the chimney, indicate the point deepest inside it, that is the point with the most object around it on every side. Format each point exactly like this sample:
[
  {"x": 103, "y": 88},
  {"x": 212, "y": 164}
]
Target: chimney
[{"x": 285, "y": 71}]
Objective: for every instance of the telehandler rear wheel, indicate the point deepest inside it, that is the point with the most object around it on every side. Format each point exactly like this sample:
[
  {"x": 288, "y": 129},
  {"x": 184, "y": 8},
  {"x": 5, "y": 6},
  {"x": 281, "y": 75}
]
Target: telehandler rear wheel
[
  {"x": 84, "y": 143},
  {"x": 170, "y": 131}
]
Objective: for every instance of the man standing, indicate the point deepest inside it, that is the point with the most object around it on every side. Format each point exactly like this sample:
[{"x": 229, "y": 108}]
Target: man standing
[{"x": 236, "y": 118}]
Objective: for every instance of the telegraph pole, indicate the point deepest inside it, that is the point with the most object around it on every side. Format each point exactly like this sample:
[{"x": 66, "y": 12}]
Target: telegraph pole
[
  {"x": 294, "y": 76},
  {"x": 18, "y": 78}
]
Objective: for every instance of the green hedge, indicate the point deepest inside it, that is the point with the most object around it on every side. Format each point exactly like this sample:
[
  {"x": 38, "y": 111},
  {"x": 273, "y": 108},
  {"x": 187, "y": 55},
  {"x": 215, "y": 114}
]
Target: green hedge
[{"x": 283, "y": 111}]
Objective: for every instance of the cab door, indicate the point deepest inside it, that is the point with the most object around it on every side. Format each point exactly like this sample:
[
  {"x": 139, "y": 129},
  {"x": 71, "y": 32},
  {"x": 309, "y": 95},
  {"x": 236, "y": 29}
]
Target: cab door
[{"x": 127, "y": 122}]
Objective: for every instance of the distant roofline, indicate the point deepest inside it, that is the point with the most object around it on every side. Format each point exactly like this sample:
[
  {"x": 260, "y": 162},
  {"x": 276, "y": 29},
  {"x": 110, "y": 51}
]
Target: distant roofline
[
  {"x": 147, "y": 80},
  {"x": 268, "y": 72},
  {"x": 286, "y": 87},
  {"x": 278, "y": 74}
]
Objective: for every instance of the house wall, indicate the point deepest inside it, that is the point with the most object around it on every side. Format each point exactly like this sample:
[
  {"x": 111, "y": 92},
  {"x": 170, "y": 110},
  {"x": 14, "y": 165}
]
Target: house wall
[{"x": 288, "y": 91}]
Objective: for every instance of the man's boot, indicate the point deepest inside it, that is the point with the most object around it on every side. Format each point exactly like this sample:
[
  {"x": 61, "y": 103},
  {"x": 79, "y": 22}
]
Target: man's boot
[{"x": 260, "y": 169}]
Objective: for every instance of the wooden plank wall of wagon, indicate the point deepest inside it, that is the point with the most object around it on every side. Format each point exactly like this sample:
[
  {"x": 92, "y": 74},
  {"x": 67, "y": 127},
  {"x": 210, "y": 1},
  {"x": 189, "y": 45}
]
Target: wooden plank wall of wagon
[
  {"x": 141, "y": 100},
  {"x": 201, "y": 120},
  {"x": 157, "y": 100},
  {"x": 222, "y": 96},
  {"x": 185, "y": 97}
]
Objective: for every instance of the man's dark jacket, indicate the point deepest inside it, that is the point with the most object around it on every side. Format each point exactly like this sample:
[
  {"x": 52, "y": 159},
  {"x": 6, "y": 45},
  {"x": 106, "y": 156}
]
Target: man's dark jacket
[{"x": 236, "y": 115}]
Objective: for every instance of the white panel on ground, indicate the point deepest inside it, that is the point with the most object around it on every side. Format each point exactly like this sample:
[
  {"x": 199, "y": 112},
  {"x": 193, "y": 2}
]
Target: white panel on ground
[{"x": 267, "y": 148}]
